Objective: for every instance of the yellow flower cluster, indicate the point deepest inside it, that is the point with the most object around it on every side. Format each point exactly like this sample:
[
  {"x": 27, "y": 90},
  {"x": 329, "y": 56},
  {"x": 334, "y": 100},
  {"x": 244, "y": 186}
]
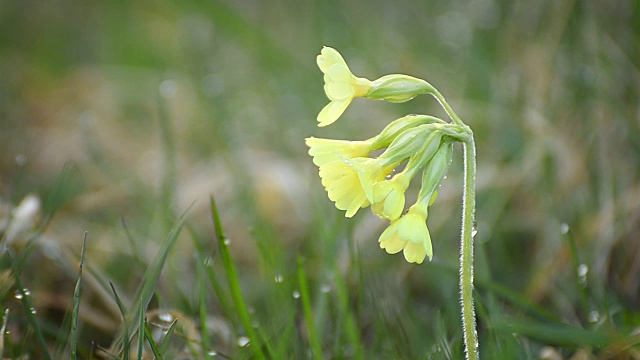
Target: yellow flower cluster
[{"x": 354, "y": 179}]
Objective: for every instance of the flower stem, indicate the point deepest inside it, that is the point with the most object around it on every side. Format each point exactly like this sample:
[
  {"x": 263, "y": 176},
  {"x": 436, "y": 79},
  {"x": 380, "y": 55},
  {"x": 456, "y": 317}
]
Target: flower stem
[
  {"x": 466, "y": 251},
  {"x": 466, "y": 238}
]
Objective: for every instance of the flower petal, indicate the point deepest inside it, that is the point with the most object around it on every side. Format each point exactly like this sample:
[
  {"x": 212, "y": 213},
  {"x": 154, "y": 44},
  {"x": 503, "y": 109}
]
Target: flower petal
[
  {"x": 390, "y": 242},
  {"x": 340, "y": 73},
  {"x": 331, "y": 112},
  {"x": 328, "y": 57},
  {"x": 414, "y": 253},
  {"x": 337, "y": 91}
]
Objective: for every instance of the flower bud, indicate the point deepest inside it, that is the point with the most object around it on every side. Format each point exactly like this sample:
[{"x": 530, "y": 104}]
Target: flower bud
[
  {"x": 406, "y": 144},
  {"x": 398, "y": 88},
  {"x": 396, "y": 127},
  {"x": 434, "y": 172}
]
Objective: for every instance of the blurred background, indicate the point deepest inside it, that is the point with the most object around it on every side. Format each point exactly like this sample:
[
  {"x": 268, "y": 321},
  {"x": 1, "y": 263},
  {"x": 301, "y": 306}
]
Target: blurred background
[{"x": 117, "y": 117}]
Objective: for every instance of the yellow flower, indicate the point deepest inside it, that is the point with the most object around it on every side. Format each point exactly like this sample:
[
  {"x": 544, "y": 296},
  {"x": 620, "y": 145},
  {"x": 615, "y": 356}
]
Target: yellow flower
[
  {"x": 327, "y": 150},
  {"x": 388, "y": 197},
  {"x": 410, "y": 235},
  {"x": 343, "y": 181},
  {"x": 341, "y": 86}
]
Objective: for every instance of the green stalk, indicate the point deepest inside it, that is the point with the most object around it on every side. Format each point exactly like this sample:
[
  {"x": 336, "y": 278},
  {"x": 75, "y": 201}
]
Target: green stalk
[
  {"x": 466, "y": 251},
  {"x": 466, "y": 238}
]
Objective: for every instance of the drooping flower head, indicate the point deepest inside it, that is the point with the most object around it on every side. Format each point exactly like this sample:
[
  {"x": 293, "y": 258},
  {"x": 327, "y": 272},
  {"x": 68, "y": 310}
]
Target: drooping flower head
[
  {"x": 410, "y": 235},
  {"x": 341, "y": 86},
  {"x": 388, "y": 196}
]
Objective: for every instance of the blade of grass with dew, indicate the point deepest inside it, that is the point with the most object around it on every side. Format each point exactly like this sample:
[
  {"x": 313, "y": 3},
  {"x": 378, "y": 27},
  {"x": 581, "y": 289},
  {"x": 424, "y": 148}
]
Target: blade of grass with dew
[
  {"x": 76, "y": 303},
  {"x": 164, "y": 345},
  {"x": 314, "y": 339},
  {"x": 152, "y": 343},
  {"x": 142, "y": 320},
  {"x": 5, "y": 319},
  {"x": 234, "y": 284},
  {"x": 29, "y": 310},
  {"x": 581, "y": 285},
  {"x": 150, "y": 279},
  {"x": 225, "y": 305},
  {"x": 202, "y": 308},
  {"x": 125, "y": 326}
]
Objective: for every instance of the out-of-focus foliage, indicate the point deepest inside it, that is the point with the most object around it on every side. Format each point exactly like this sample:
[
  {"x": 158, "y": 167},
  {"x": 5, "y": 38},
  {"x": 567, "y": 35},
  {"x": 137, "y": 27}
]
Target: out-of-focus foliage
[{"x": 119, "y": 116}]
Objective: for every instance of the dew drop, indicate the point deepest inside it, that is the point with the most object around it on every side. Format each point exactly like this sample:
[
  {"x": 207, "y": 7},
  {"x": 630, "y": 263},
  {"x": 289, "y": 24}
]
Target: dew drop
[
  {"x": 227, "y": 241},
  {"x": 325, "y": 288},
  {"x": 243, "y": 341},
  {"x": 594, "y": 316},
  {"x": 388, "y": 177},
  {"x": 21, "y": 159},
  {"x": 296, "y": 294},
  {"x": 583, "y": 269},
  {"x": 34, "y": 311},
  {"x": 20, "y": 294},
  {"x": 279, "y": 278},
  {"x": 168, "y": 89},
  {"x": 212, "y": 353},
  {"x": 166, "y": 317},
  {"x": 564, "y": 228}
]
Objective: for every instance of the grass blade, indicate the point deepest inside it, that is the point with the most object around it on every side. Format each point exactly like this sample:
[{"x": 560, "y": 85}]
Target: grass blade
[
  {"x": 27, "y": 305},
  {"x": 152, "y": 343},
  {"x": 308, "y": 314},
  {"x": 125, "y": 326},
  {"x": 76, "y": 303},
  {"x": 234, "y": 284},
  {"x": 149, "y": 281},
  {"x": 142, "y": 321},
  {"x": 164, "y": 345},
  {"x": 2, "y": 332},
  {"x": 202, "y": 308}
]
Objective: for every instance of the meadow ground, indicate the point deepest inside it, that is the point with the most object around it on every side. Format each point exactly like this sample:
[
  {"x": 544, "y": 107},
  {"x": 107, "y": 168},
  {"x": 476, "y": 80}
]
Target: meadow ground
[{"x": 123, "y": 119}]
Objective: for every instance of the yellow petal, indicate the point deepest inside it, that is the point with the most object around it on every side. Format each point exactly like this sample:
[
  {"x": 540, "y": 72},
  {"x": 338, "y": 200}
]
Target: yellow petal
[
  {"x": 337, "y": 91},
  {"x": 414, "y": 253},
  {"x": 331, "y": 112},
  {"x": 340, "y": 73},
  {"x": 390, "y": 242},
  {"x": 328, "y": 57}
]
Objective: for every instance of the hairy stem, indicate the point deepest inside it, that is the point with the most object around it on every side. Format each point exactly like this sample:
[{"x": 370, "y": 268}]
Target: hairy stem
[{"x": 466, "y": 251}]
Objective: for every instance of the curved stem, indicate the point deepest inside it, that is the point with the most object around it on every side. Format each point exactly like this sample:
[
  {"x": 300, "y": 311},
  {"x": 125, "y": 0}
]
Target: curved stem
[
  {"x": 452, "y": 114},
  {"x": 466, "y": 251}
]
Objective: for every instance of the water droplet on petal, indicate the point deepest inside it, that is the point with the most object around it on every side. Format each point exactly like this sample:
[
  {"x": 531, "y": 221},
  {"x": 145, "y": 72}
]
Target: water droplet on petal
[
  {"x": 296, "y": 294},
  {"x": 243, "y": 341}
]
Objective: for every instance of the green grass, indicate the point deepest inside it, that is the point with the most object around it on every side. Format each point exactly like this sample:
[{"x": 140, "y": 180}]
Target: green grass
[{"x": 550, "y": 89}]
